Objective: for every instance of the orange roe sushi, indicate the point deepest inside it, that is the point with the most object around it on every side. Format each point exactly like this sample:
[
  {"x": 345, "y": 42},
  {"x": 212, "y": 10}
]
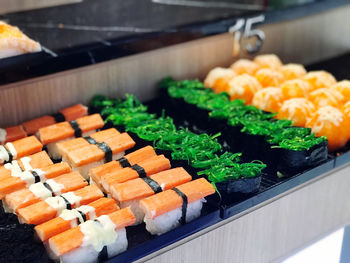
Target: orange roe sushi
[
  {"x": 269, "y": 77},
  {"x": 326, "y": 97},
  {"x": 320, "y": 79},
  {"x": 343, "y": 87},
  {"x": 243, "y": 87},
  {"x": 330, "y": 122},
  {"x": 216, "y": 74},
  {"x": 244, "y": 66},
  {"x": 293, "y": 71},
  {"x": 299, "y": 110},
  {"x": 268, "y": 99},
  {"x": 296, "y": 88},
  {"x": 268, "y": 61}
]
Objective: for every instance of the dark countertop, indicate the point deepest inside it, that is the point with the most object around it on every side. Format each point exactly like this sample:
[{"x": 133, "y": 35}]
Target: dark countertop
[{"x": 94, "y": 31}]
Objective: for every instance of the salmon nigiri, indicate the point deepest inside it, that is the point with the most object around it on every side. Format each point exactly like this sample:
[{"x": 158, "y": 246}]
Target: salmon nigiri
[
  {"x": 131, "y": 192},
  {"x": 27, "y": 178},
  {"x": 126, "y": 161},
  {"x": 167, "y": 210},
  {"x": 148, "y": 167},
  {"x": 19, "y": 148},
  {"x": 11, "y": 134},
  {"x": 72, "y": 218},
  {"x": 43, "y": 190},
  {"x": 103, "y": 237},
  {"x": 52, "y": 207}
]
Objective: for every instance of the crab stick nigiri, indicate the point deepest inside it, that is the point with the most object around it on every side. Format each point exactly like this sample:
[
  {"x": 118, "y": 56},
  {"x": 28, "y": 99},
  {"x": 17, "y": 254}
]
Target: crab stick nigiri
[
  {"x": 41, "y": 191},
  {"x": 28, "y": 163},
  {"x": 148, "y": 167},
  {"x": 19, "y": 148},
  {"x": 71, "y": 218},
  {"x": 167, "y": 210},
  {"x": 83, "y": 126},
  {"x": 126, "y": 161},
  {"x": 66, "y": 114},
  {"x": 131, "y": 192},
  {"x": 67, "y": 146},
  {"x": 52, "y": 207},
  {"x": 93, "y": 155},
  {"x": 11, "y": 134},
  {"x": 27, "y": 178},
  {"x": 103, "y": 237}
]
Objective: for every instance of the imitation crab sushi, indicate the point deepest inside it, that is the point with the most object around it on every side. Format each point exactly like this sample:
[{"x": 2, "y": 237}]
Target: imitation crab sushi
[
  {"x": 19, "y": 148},
  {"x": 93, "y": 240},
  {"x": 169, "y": 209},
  {"x": 11, "y": 134},
  {"x": 58, "y": 132}
]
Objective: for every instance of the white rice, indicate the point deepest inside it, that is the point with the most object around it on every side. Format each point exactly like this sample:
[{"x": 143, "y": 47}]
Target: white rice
[
  {"x": 53, "y": 150},
  {"x": 88, "y": 254},
  {"x": 135, "y": 208},
  {"x": 170, "y": 220},
  {"x": 85, "y": 169}
]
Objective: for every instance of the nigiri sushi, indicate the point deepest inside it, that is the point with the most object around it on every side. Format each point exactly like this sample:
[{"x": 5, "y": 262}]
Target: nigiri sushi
[
  {"x": 27, "y": 163},
  {"x": 93, "y": 240},
  {"x": 126, "y": 161},
  {"x": 55, "y": 133},
  {"x": 13, "y": 42},
  {"x": 43, "y": 190},
  {"x": 11, "y": 134},
  {"x": 167, "y": 210},
  {"x": 27, "y": 178},
  {"x": 52, "y": 207},
  {"x": 72, "y": 218},
  {"x": 145, "y": 168},
  {"x": 131, "y": 192},
  {"x": 66, "y": 114},
  {"x": 66, "y": 146},
  {"x": 19, "y": 148},
  {"x": 93, "y": 155}
]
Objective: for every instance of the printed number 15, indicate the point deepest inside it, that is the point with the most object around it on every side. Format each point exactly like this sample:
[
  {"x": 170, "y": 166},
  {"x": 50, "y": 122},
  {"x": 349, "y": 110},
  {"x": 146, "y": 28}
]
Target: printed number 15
[{"x": 246, "y": 26}]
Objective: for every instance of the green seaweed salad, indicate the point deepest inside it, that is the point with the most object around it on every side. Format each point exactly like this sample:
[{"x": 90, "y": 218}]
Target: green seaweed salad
[
  {"x": 200, "y": 150},
  {"x": 251, "y": 120}
]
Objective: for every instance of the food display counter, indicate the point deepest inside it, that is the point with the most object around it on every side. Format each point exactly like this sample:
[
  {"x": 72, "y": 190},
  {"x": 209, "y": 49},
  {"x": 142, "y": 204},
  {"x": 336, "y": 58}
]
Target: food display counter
[{"x": 272, "y": 206}]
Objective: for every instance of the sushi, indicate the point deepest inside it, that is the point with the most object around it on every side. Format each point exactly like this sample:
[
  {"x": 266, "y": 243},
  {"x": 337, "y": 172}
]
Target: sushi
[
  {"x": 94, "y": 240},
  {"x": 126, "y": 161},
  {"x": 13, "y": 42},
  {"x": 55, "y": 133},
  {"x": 145, "y": 168},
  {"x": 67, "y": 114},
  {"x": 93, "y": 155},
  {"x": 72, "y": 218},
  {"x": 167, "y": 210},
  {"x": 66, "y": 146},
  {"x": 131, "y": 192},
  {"x": 43, "y": 190},
  {"x": 28, "y": 163},
  {"x": 270, "y": 61},
  {"x": 217, "y": 74},
  {"x": 19, "y": 148},
  {"x": 11, "y": 134},
  {"x": 27, "y": 178},
  {"x": 52, "y": 207}
]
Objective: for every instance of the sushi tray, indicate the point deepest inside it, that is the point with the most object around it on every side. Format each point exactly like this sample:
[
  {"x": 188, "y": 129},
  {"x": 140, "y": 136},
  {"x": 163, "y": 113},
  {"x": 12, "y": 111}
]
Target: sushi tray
[{"x": 120, "y": 179}]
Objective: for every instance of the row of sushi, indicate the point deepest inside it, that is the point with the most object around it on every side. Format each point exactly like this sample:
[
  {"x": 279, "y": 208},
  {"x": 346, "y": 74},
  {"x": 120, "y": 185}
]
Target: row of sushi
[
  {"x": 31, "y": 127},
  {"x": 310, "y": 99},
  {"x": 73, "y": 219},
  {"x": 201, "y": 154},
  {"x": 286, "y": 149}
]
